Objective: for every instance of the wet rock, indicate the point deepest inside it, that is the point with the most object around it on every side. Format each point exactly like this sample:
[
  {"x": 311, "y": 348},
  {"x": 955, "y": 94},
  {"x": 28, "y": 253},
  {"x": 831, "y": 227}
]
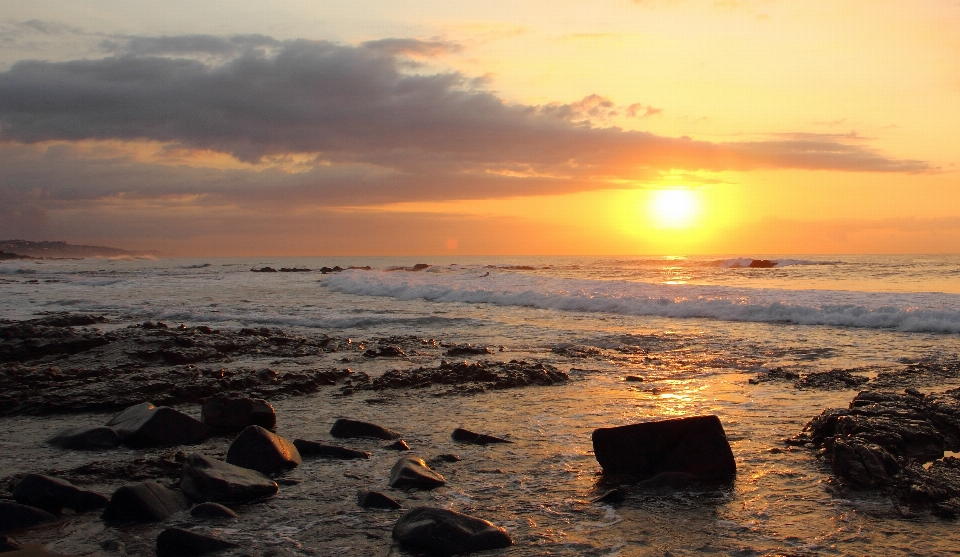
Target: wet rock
[
  {"x": 85, "y": 438},
  {"x": 385, "y": 352},
  {"x": 775, "y": 374},
  {"x": 144, "y": 502},
  {"x": 866, "y": 465},
  {"x": 207, "y": 479},
  {"x": 345, "y": 428},
  {"x": 213, "y": 510},
  {"x": 263, "y": 270},
  {"x": 695, "y": 445},
  {"x": 831, "y": 380},
  {"x": 54, "y": 494},
  {"x": 6, "y": 544},
  {"x": 461, "y": 350},
  {"x": 633, "y": 379},
  {"x": 264, "y": 451},
  {"x": 313, "y": 448},
  {"x": 466, "y": 436},
  {"x": 145, "y": 425},
  {"x": 225, "y": 412},
  {"x": 413, "y": 472},
  {"x": 14, "y": 516},
  {"x": 762, "y": 264},
  {"x": 443, "y": 532},
  {"x": 485, "y": 375},
  {"x": 176, "y": 542},
  {"x": 447, "y": 457},
  {"x": 398, "y": 445},
  {"x": 34, "y": 550},
  {"x": 376, "y": 500},
  {"x": 575, "y": 351},
  {"x": 669, "y": 481},
  {"x": 615, "y": 495}
]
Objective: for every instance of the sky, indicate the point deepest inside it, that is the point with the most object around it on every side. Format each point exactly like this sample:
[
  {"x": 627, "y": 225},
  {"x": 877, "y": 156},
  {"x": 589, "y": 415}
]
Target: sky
[{"x": 522, "y": 127}]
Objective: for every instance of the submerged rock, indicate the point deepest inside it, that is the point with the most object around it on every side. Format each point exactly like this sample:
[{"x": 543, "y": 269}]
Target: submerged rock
[
  {"x": 85, "y": 438},
  {"x": 207, "y": 479},
  {"x": 615, "y": 495},
  {"x": 313, "y": 448},
  {"x": 14, "y": 516},
  {"x": 176, "y": 542},
  {"x": 413, "y": 472},
  {"x": 466, "y": 436},
  {"x": 345, "y": 428},
  {"x": 264, "y": 451},
  {"x": 443, "y": 532},
  {"x": 831, "y": 380},
  {"x": 144, "y": 502},
  {"x": 225, "y": 412},
  {"x": 775, "y": 374},
  {"x": 146, "y": 425},
  {"x": 376, "y": 500},
  {"x": 461, "y": 350},
  {"x": 53, "y": 494},
  {"x": 483, "y": 375},
  {"x": 213, "y": 510},
  {"x": 695, "y": 445}
]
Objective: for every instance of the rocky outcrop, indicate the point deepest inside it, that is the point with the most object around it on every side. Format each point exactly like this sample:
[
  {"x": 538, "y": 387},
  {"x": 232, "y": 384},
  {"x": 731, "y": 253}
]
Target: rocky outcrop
[
  {"x": 695, "y": 445},
  {"x": 466, "y": 436},
  {"x": 264, "y": 451},
  {"x": 224, "y": 412},
  {"x": 85, "y": 438},
  {"x": 483, "y": 375},
  {"x": 177, "y": 542},
  {"x": 207, "y": 479},
  {"x": 413, "y": 472},
  {"x": 444, "y": 532},
  {"x": 144, "y": 502},
  {"x": 345, "y": 428},
  {"x": 314, "y": 448},
  {"x": 54, "y": 494},
  {"x": 145, "y": 425}
]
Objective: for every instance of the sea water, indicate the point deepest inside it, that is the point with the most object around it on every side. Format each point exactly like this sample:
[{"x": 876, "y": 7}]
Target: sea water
[{"x": 694, "y": 329}]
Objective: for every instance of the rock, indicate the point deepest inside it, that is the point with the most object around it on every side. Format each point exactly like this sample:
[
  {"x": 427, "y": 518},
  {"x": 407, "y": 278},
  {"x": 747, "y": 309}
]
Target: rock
[
  {"x": 237, "y": 413},
  {"x": 376, "y": 500},
  {"x": 864, "y": 464},
  {"x": 669, "y": 481},
  {"x": 144, "y": 502},
  {"x": 176, "y": 542},
  {"x": 53, "y": 494},
  {"x": 775, "y": 374},
  {"x": 6, "y": 544},
  {"x": 633, "y": 379},
  {"x": 114, "y": 545},
  {"x": 615, "y": 495},
  {"x": 385, "y": 352},
  {"x": 207, "y": 479},
  {"x": 695, "y": 445},
  {"x": 33, "y": 550},
  {"x": 145, "y": 425},
  {"x": 762, "y": 264},
  {"x": 443, "y": 532},
  {"x": 263, "y": 270},
  {"x": 466, "y": 436},
  {"x": 14, "y": 516},
  {"x": 413, "y": 472},
  {"x": 446, "y": 457},
  {"x": 831, "y": 380},
  {"x": 352, "y": 428},
  {"x": 419, "y": 267},
  {"x": 213, "y": 510},
  {"x": 461, "y": 350},
  {"x": 398, "y": 445},
  {"x": 85, "y": 438},
  {"x": 264, "y": 451},
  {"x": 313, "y": 448}
]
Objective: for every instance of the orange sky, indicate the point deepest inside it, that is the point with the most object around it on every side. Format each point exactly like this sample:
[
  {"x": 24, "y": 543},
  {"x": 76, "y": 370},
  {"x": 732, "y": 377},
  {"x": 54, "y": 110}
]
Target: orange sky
[{"x": 621, "y": 127}]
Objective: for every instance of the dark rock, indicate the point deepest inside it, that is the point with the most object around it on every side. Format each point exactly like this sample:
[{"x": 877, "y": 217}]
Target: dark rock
[
  {"x": 376, "y": 500},
  {"x": 775, "y": 374},
  {"x": 669, "y": 481},
  {"x": 6, "y": 544},
  {"x": 53, "y": 494},
  {"x": 86, "y": 438},
  {"x": 145, "y": 425},
  {"x": 398, "y": 445},
  {"x": 294, "y": 270},
  {"x": 615, "y": 495},
  {"x": 34, "y": 550},
  {"x": 237, "y": 413},
  {"x": 144, "y": 502},
  {"x": 264, "y": 270},
  {"x": 443, "y": 532},
  {"x": 344, "y": 428},
  {"x": 313, "y": 448},
  {"x": 207, "y": 479},
  {"x": 695, "y": 445},
  {"x": 413, "y": 472},
  {"x": 447, "y": 457},
  {"x": 633, "y": 379},
  {"x": 831, "y": 380},
  {"x": 865, "y": 465},
  {"x": 466, "y": 436},
  {"x": 420, "y": 267},
  {"x": 461, "y": 350},
  {"x": 762, "y": 264},
  {"x": 385, "y": 352},
  {"x": 14, "y": 516},
  {"x": 213, "y": 510},
  {"x": 176, "y": 542},
  {"x": 264, "y": 451},
  {"x": 484, "y": 375}
]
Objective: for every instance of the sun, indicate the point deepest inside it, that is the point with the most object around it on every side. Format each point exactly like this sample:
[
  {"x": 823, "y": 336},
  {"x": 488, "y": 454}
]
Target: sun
[{"x": 674, "y": 208}]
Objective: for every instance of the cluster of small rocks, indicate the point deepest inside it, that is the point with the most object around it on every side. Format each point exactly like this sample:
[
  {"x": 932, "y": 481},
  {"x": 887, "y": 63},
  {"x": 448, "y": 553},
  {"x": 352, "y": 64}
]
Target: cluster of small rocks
[{"x": 480, "y": 375}]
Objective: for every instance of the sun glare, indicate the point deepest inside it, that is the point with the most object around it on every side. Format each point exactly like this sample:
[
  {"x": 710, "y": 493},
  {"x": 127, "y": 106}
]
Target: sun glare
[{"x": 674, "y": 208}]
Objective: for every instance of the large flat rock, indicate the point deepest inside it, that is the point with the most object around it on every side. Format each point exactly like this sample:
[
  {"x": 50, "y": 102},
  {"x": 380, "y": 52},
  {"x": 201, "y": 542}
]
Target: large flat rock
[
  {"x": 146, "y": 425},
  {"x": 207, "y": 479},
  {"x": 54, "y": 494},
  {"x": 264, "y": 451},
  {"x": 144, "y": 502},
  {"x": 439, "y": 531}
]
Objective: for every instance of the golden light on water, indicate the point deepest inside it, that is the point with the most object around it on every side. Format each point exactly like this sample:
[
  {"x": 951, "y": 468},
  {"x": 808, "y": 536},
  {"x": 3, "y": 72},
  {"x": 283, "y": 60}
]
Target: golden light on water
[{"x": 675, "y": 208}]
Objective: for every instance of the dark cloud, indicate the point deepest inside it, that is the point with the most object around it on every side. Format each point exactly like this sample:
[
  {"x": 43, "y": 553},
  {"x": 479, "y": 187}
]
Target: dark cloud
[
  {"x": 183, "y": 45},
  {"x": 412, "y": 47}
]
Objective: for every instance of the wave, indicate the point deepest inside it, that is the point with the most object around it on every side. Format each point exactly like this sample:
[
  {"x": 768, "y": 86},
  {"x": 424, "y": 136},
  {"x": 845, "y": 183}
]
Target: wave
[{"x": 911, "y": 313}]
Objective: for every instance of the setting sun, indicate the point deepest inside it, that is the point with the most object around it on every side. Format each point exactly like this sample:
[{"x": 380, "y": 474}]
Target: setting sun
[{"x": 674, "y": 208}]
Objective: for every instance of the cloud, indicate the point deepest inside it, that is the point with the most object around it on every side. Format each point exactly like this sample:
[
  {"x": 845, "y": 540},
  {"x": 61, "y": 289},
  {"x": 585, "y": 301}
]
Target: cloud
[{"x": 639, "y": 110}]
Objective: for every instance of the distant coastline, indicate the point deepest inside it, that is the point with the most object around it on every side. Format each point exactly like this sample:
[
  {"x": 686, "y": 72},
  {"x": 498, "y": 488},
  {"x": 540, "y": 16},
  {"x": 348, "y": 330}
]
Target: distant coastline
[{"x": 26, "y": 249}]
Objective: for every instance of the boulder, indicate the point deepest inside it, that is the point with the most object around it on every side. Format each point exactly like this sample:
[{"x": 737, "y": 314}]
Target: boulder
[
  {"x": 352, "y": 428},
  {"x": 85, "y": 438},
  {"x": 443, "y": 532},
  {"x": 376, "y": 500},
  {"x": 466, "y": 436},
  {"x": 176, "y": 542},
  {"x": 53, "y": 494},
  {"x": 264, "y": 451},
  {"x": 237, "y": 413},
  {"x": 313, "y": 448},
  {"x": 146, "y": 425},
  {"x": 144, "y": 502},
  {"x": 213, "y": 510},
  {"x": 413, "y": 472},
  {"x": 14, "y": 516},
  {"x": 695, "y": 445},
  {"x": 206, "y": 479}
]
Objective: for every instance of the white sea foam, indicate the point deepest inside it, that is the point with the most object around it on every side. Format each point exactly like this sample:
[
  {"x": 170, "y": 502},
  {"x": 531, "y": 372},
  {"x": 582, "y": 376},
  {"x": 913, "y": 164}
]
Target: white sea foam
[{"x": 914, "y": 312}]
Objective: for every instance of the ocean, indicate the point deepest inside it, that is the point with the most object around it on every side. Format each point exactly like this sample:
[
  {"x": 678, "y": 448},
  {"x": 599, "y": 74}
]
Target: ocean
[{"x": 694, "y": 330}]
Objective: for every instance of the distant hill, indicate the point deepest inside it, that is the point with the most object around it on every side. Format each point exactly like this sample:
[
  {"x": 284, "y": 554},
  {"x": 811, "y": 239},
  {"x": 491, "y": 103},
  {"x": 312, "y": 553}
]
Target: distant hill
[{"x": 63, "y": 249}]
